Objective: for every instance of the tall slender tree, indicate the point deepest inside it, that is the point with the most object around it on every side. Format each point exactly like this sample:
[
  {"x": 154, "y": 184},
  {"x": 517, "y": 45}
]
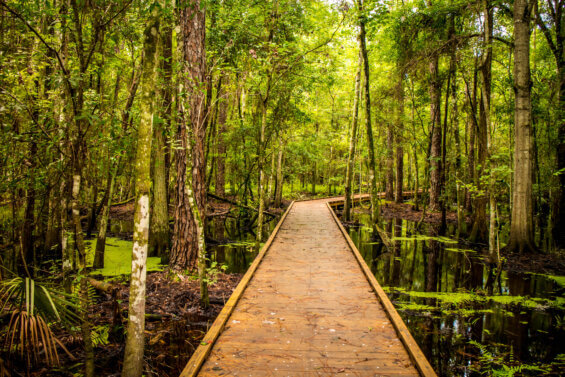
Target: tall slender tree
[
  {"x": 191, "y": 128},
  {"x": 522, "y": 221},
  {"x": 133, "y": 357},
  {"x": 352, "y": 144},
  {"x": 368, "y": 124},
  {"x": 551, "y": 20},
  {"x": 479, "y": 232}
]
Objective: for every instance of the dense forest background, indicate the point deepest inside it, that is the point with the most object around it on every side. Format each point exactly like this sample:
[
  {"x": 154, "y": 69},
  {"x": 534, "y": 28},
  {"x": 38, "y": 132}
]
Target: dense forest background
[{"x": 177, "y": 107}]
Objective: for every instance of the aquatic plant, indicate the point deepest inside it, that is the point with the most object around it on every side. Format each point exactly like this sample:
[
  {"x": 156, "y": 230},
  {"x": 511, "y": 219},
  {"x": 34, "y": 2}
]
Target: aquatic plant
[{"x": 490, "y": 364}]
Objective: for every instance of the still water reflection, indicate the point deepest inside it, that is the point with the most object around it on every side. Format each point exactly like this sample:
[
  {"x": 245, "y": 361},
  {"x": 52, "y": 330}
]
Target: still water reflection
[
  {"x": 233, "y": 240},
  {"x": 440, "y": 289}
]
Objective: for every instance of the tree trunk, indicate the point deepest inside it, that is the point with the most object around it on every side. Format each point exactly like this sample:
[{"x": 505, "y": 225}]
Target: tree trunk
[
  {"x": 522, "y": 225},
  {"x": 272, "y": 179},
  {"x": 398, "y": 197},
  {"x": 436, "y": 136},
  {"x": 191, "y": 45},
  {"x": 133, "y": 358},
  {"x": 220, "y": 187},
  {"x": 559, "y": 222},
  {"x": 370, "y": 141},
  {"x": 479, "y": 232},
  {"x": 83, "y": 288},
  {"x": 556, "y": 44},
  {"x": 279, "y": 180},
  {"x": 159, "y": 238},
  {"x": 389, "y": 182},
  {"x": 67, "y": 246},
  {"x": 28, "y": 243},
  {"x": 159, "y": 228},
  {"x": 103, "y": 225},
  {"x": 261, "y": 185},
  {"x": 472, "y": 129},
  {"x": 352, "y": 145}
]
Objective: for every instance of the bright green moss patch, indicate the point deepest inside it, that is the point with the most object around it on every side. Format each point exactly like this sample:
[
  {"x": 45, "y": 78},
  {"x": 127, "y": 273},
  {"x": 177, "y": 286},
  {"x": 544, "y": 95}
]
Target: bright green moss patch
[
  {"x": 416, "y": 307},
  {"x": 518, "y": 300},
  {"x": 558, "y": 279},
  {"x": 117, "y": 258}
]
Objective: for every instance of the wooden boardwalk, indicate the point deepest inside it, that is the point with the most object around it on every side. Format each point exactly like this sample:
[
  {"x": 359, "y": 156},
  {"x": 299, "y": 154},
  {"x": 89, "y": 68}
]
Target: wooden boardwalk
[{"x": 308, "y": 306}]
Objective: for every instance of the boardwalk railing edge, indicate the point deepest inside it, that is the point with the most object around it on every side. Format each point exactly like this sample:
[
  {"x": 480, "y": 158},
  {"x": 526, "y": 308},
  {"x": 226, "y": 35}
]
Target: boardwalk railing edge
[
  {"x": 199, "y": 357},
  {"x": 414, "y": 351}
]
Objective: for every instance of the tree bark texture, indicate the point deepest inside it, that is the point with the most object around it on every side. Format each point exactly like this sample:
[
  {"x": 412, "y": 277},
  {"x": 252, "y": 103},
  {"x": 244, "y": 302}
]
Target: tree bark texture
[
  {"x": 389, "y": 181},
  {"x": 555, "y": 36},
  {"x": 192, "y": 103},
  {"x": 261, "y": 167},
  {"x": 479, "y": 232},
  {"x": 436, "y": 136},
  {"x": 279, "y": 175},
  {"x": 352, "y": 145},
  {"x": 522, "y": 225},
  {"x": 220, "y": 186},
  {"x": 103, "y": 224},
  {"x": 399, "y": 128},
  {"x": 159, "y": 239},
  {"x": 133, "y": 358},
  {"x": 369, "y": 127}
]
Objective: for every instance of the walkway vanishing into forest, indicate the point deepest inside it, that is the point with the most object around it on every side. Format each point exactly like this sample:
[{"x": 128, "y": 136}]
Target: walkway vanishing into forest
[{"x": 308, "y": 306}]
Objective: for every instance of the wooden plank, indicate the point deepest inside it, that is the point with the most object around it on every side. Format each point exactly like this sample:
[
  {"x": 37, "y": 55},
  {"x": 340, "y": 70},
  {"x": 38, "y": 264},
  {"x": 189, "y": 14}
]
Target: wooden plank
[
  {"x": 416, "y": 354},
  {"x": 306, "y": 301},
  {"x": 195, "y": 363}
]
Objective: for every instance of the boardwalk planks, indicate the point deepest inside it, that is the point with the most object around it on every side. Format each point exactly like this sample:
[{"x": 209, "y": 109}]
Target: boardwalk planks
[{"x": 307, "y": 308}]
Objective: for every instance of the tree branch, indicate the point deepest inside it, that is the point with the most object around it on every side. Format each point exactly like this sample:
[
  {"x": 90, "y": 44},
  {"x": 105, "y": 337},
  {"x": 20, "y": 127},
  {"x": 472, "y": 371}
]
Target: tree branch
[
  {"x": 32, "y": 29},
  {"x": 545, "y": 30}
]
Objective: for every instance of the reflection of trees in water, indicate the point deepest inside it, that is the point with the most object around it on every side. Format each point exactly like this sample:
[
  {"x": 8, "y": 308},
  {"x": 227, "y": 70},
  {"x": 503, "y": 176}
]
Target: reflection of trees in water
[
  {"x": 397, "y": 261},
  {"x": 236, "y": 258},
  {"x": 431, "y": 251},
  {"x": 429, "y": 265},
  {"x": 432, "y": 256},
  {"x": 517, "y": 329}
]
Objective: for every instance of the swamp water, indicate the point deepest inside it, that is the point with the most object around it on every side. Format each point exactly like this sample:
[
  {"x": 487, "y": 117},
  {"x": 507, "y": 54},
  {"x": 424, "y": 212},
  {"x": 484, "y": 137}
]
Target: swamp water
[
  {"x": 438, "y": 287},
  {"x": 231, "y": 248},
  {"x": 440, "y": 290}
]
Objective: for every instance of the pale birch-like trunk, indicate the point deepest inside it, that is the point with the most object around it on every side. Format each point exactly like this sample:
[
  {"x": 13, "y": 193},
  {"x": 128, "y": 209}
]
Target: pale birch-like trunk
[{"x": 133, "y": 358}]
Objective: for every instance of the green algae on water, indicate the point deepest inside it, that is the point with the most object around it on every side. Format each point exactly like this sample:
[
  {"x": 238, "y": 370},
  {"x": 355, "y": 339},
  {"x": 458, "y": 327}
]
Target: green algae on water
[
  {"x": 421, "y": 237},
  {"x": 117, "y": 258},
  {"x": 464, "y": 298}
]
